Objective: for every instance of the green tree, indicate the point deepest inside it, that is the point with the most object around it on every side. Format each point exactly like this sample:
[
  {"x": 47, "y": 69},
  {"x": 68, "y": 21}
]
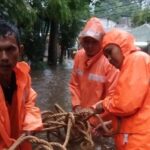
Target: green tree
[
  {"x": 67, "y": 12},
  {"x": 21, "y": 13},
  {"x": 35, "y": 39},
  {"x": 141, "y": 17},
  {"x": 115, "y": 9},
  {"x": 70, "y": 30}
]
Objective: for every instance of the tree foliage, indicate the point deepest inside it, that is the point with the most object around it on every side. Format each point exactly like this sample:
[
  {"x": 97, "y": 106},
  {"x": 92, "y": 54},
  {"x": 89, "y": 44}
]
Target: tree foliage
[
  {"x": 70, "y": 30},
  {"x": 18, "y": 11},
  {"x": 68, "y": 12},
  {"x": 115, "y": 9},
  {"x": 141, "y": 17}
]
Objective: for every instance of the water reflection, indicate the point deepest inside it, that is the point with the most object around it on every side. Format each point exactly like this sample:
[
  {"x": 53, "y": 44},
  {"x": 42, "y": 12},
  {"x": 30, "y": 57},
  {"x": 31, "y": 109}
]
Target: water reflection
[{"x": 52, "y": 86}]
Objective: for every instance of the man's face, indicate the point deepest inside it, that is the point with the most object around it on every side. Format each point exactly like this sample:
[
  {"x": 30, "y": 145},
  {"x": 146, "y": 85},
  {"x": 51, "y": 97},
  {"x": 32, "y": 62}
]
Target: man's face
[
  {"x": 91, "y": 46},
  {"x": 9, "y": 54},
  {"x": 114, "y": 55}
]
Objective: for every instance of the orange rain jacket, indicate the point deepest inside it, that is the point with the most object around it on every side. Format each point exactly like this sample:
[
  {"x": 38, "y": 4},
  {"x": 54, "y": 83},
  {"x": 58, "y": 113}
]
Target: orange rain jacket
[
  {"x": 131, "y": 99},
  {"x": 22, "y": 115},
  {"x": 92, "y": 78}
]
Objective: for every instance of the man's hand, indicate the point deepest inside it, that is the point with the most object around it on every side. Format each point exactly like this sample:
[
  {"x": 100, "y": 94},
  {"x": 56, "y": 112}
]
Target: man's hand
[
  {"x": 99, "y": 108},
  {"x": 28, "y": 133},
  {"x": 103, "y": 129},
  {"x": 77, "y": 109},
  {"x": 86, "y": 113}
]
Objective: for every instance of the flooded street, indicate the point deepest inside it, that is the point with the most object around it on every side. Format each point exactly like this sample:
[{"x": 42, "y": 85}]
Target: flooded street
[{"x": 52, "y": 86}]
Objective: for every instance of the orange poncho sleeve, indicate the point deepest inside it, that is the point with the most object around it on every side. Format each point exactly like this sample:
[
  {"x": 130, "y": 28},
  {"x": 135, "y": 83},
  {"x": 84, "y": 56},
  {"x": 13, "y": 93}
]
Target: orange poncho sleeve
[{"x": 32, "y": 120}]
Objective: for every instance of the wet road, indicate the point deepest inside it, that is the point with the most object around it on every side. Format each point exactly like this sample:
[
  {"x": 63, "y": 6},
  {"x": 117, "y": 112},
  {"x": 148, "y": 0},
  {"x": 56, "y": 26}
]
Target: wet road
[{"x": 52, "y": 86}]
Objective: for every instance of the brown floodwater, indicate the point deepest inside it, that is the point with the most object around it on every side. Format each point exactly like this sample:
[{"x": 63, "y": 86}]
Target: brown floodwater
[{"x": 51, "y": 85}]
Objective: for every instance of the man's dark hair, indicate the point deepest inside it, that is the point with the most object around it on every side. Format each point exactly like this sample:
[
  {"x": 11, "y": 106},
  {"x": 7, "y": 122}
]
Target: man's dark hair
[{"x": 7, "y": 28}]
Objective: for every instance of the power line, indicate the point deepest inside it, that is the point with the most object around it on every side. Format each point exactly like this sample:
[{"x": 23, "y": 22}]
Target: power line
[
  {"x": 110, "y": 12},
  {"x": 144, "y": 2},
  {"x": 117, "y": 7}
]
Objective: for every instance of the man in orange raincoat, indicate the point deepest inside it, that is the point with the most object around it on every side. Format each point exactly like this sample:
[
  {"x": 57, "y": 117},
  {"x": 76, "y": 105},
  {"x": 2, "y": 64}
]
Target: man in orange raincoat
[
  {"x": 93, "y": 77},
  {"x": 130, "y": 102},
  {"x": 18, "y": 113}
]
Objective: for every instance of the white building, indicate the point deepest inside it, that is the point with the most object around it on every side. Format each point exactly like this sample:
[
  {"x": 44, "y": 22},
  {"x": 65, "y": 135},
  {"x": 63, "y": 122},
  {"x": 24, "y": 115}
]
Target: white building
[{"x": 108, "y": 24}]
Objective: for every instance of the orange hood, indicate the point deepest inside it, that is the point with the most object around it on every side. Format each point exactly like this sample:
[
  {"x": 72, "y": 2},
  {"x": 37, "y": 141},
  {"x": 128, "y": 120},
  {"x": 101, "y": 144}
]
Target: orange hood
[
  {"x": 122, "y": 39},
  {"x": 93, "y": 28}
]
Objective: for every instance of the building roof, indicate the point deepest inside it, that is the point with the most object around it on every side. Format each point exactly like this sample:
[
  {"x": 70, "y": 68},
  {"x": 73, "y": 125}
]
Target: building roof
[{"x": 142, "y": 33}]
